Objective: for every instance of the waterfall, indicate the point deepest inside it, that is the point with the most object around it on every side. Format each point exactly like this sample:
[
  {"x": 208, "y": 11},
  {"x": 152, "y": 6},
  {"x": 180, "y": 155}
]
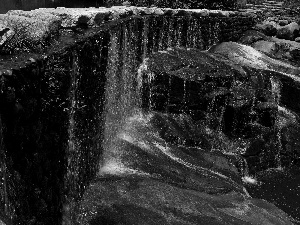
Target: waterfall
[{"x": 275, "y": 90}]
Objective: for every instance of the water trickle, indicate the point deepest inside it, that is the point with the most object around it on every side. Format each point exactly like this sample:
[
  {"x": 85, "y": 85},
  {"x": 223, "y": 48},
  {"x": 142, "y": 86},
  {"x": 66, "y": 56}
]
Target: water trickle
[
  {"x": 7, "y": 206},
  {"x": 171, "y": 32},
  {"x": 215, "y": 31},
  {"x": 275, "y": 90}
]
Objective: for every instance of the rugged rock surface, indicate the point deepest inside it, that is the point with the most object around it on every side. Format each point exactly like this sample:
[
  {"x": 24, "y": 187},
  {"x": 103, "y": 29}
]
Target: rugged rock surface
[
  {"x": 272, "y": 46},
  {"x": 251, "y": 36},
  {"x": 288, "y": 32},
  {"x": 36, "y": 29},
  {"x": 155, "y": 181},
  {"x": 268, "y": 28},
  {"x": 228, "y": 99}
]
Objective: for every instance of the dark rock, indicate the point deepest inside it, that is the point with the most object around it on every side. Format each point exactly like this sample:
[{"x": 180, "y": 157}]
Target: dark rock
[
  {"x": 6, "y": 34},
  {"x": 269, "y": 28},
  {"x": 256, "y": 147},
  {"x": 283, "y": 22},
  {"x": 252, "y": 36},
  {"x": 288, "y": 32},
  {"x": 155, "y": 182}
]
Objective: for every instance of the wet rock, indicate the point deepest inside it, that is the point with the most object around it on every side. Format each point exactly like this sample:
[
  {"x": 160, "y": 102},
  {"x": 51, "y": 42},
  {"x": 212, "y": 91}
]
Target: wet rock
[
  {"x": 252, "y": 36},
  {"x": 126, "y": 3},
  {"x": 29, "y": 32},
  {"x": 155, "y": 182},
  {"x": 248, "y": 56},
  {"x": 266, "y": 47},
  {"x": 288, "y": 32},
  {"x": 73, "y": 17},
  {"x": 283, "y": 22},
  {"x": 6, "y": 34},
  {"x": 256, "y": 147},
  {"x": 286, "y": 50},
  {"x": 194, "y": 82},
  {"x": 269, "y": 28}
]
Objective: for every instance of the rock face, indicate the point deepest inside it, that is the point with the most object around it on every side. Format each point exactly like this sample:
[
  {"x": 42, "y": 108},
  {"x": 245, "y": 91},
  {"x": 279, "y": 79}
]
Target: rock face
[
  {"x": 288, "y": 32},
  {"x": 268, "y": 28},
  {"x": 155, "y": 181},
  {"x": 35, "y": 30},
  {"x": 227, "y": 98},
  {"x": 274, "y": 47}
]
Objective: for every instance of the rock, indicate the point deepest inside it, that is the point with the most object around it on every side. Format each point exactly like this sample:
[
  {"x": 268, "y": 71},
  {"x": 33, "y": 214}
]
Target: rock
[
  {"x": 266, "y": 47},
  {"x": 288, "y": 32},
  {"x": 6, "y": 34},
  {"x": 297, "y": 39},
  {"x": 248, "y": 56},
  {"x": 251, "y": 36},
  {"x": 28, "y": 33},
  {"x": 283, "y": 22},
  {"x": 256, "y": 147},
  {"x": 268, "y": 28},
  {"x": 126, "y": 3},
  {"x": 160, "y": 183},
  {"x": 287, "y": 49}
]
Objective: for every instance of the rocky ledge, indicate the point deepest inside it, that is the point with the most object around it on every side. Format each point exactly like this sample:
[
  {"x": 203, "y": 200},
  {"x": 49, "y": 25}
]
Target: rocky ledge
[{"x": 36, "y": 29}]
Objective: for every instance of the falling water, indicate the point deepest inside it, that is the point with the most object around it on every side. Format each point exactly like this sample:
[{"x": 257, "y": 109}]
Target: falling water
[
  {"x": 6, "y": 190},
  {"x": 275, "y": 90}
]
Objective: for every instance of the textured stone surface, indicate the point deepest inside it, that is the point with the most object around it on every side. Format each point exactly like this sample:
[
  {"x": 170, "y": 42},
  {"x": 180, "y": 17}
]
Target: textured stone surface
[
  {"x": 155, "y": 181},
  {"x": 288, "y": 32},
  {"x": 31, "y": 31},
  {"x": 251, "y": 36},
  {"x": 266, "y": 47},
  {"x": 34, "y": 30},
  {"x": 268, "y": 27}
]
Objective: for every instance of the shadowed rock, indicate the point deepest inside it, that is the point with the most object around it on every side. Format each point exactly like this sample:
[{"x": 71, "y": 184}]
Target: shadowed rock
[
  {"x": 288, "y": 32},
  {"x": 152, "y": 181}
]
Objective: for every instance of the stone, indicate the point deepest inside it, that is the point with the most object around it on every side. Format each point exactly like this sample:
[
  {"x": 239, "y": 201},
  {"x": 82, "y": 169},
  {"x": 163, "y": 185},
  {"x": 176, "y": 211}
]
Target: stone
[
  {"x": 266, "y": 47},
  {"x": 283, "y": 22},
  {"x": 73, "y": 17},
  {"x": 248, "y": 56},
  {"x": 297, "y": 39},
  {"x": 251, "y": 36},
  {"x": 29, "y": 33},
  {"x": 269, "y": 28},
  {"x": 146, "y": 185},
  {"x": 6, "y": 34},
  {"x": 126, "y": 3},
  {"x": 288, "y": 32}
]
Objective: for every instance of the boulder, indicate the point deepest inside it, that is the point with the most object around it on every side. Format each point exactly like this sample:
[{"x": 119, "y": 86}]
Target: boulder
[
  {"x": 287, "y": 50},
  {"x": 248, "y": 56},
  {"x": 266, "y": 47},
  {"x": 283, "y": 22},
  {"x": 6, "y": 34},
  {"x": 268, "y": 27},
  {"x": 297, "y": 39},
  {"x": 28, "y": 33},
  {"x": 288, "y": 32},
  {"x": 154, "y": 182},
  {"x": 126, "y": 3},
  {"x": 251, "y": 36}
]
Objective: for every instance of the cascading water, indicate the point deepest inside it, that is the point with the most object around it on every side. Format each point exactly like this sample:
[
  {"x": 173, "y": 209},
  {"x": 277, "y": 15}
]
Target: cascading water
[
  {"x": 275, "y": 90},
  {"x": 142, "y": 131}
]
